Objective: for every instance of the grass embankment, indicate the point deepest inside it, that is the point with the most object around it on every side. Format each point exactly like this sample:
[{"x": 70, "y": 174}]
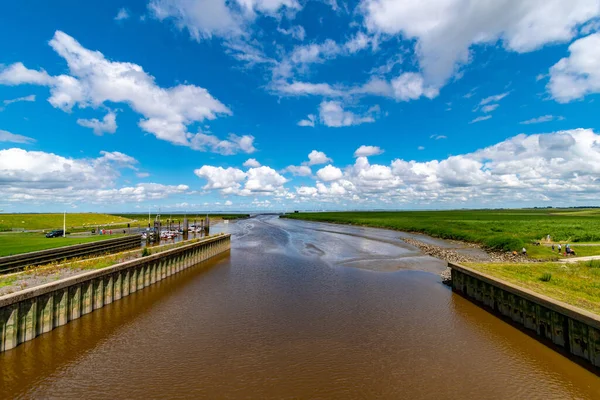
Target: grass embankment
[
  {"x": 577, "y": 284},
  {"x": 33, "y": 276},
  {"x": 18, "y": 243},
  {"x": 505, "y": 230},
  {"x": 55, "y": 221}
]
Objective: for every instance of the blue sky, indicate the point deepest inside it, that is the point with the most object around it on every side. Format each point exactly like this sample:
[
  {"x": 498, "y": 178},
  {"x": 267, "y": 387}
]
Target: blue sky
[{"x": 298, "y": 104}]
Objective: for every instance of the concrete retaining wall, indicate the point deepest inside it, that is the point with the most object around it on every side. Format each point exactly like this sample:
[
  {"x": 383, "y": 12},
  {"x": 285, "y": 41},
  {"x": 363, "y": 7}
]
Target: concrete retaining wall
[
  {"x": 574, "y": 330},
  {"x": 19, "y": 261},
  {"x": 29, "y": 313}
]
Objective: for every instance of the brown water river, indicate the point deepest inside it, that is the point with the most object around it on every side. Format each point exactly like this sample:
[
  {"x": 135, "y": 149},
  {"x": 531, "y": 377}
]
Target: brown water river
[{"x": 296, "y": 310}]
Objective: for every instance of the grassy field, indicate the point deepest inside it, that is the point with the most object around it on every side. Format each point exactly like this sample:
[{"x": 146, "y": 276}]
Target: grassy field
[
  {"x": 495, "y": 229},
  {"x": 55, "y": 221},
  {"x": 577, "y": 284},
  {"x": 17, "y": 243}
]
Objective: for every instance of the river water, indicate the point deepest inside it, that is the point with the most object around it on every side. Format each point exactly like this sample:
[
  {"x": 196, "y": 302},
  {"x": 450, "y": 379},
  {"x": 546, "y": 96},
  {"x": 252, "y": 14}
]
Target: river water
[{"x": 295, "y": 310}]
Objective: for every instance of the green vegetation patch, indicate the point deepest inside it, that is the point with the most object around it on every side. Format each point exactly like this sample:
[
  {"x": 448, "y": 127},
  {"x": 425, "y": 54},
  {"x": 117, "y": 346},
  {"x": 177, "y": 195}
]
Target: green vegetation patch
[
  {"x": 577, "y": 284},
  {"x": 18, "y": 243},
  {"x": 55, "y": 221},
  {"x": 506, "y": 230}
]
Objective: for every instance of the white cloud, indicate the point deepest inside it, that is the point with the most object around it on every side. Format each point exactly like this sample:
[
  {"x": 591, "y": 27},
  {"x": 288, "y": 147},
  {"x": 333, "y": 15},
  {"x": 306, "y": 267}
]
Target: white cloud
[
  {"x": 107, "y": 125},
  {"x": 297, "y": 32},
  {"x": 251, "y": 163},
  {"x": 295, "y": 88},
  {"x": 543, "y": 118},
  {"x": 421, "y": 148},
  {"x": 226, "y": 179},
  {"x": 228, "y": 203},
  {"x": 301, "y": 170},
  {"x": 332, "y": 114},
  {"x": 122, "y": 15},
  {"x": 142, "y": 174},
  {"x": 207, "y": 18},
  {"x": 560, "y": 166},
  {"x": 6, "y": 136},
  {"x": 306, "y": 191},
  {"x": 367, "y": 151},
  {"x": 29, "y": 98},
  {"x": 95, "y": 80},
  {"x": 438, "y": 137},
  {"x": 489, "y": 108},
  {"x": 482, "y": 118},
  {"x": 329, "y": 173},
  {"x": 411, "y": 86},
  {"x": 445, "y": 30},
  {"x": 316, "y": 157},
  {"x": 39, "y": 177},
  {"x": 235, "y": 144},
  {"x": 261, "y": 180},
  {"x": 493, "y": 99},
  {"x": 578, "y": 75},
  {"x": 309, "y": 121}
]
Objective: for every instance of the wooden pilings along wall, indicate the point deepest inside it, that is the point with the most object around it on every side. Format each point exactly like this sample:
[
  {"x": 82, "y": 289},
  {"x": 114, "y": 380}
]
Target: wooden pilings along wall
[
  {"x": 29, "y": 313},
  {"x": 574, "y": 330}
]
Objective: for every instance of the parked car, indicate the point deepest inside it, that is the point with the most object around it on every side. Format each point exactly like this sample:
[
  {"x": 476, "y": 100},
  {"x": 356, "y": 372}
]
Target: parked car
[{"x": 55, "y": 233}]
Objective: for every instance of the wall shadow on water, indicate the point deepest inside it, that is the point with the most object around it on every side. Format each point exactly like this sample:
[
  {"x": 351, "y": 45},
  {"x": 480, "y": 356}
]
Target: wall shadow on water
[
  {"x": 533, "y": 335},
  {"x": 35, "y": 360},
  {"x": 524, "y": 347}
]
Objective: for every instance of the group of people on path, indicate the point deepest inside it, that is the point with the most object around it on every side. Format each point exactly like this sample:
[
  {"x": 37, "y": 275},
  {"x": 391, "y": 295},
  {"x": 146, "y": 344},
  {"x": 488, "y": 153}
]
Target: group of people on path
[{"x": 568, "y": 250}]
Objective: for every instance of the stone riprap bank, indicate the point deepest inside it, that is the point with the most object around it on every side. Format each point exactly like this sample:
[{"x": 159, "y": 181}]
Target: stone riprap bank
[
  {"x": 29, "y": 313},
  {"x": 574, "y": 330}
]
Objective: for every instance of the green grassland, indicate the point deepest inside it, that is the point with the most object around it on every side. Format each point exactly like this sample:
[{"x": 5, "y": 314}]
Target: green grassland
[
  {"x": 495, "y": 229},
  {"x": 577, "y": 284},
  {"x": 55, "y": 221},
  {"x": 17, "y": 243}
]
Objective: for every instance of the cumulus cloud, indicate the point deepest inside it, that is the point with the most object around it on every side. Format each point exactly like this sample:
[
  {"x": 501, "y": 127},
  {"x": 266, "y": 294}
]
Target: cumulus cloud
[
  {"x": 411, "y": 86},
  {"x": 40, "y": 177},
  {"x": 578, "y": 75},
  {"x": 94, "y": 80},
  {"x": 6, "y": 136},
  {"x": 107, "y": 125},
  {"x": 251, "y": 163},
  {"x": 367, "y": 151},
  {"x": 316, "y": 157},
  {"x": 445, "y": 30},
  {"x": 260, "y": 180},
  {"x": 329, "y": 173},
  {"x": 332, "y": 114},
  {"x": 561, "y": 166}
]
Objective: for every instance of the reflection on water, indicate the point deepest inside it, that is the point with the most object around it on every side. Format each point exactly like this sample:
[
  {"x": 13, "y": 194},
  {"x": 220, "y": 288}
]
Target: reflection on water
[{"x": 295, "y": 311}]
